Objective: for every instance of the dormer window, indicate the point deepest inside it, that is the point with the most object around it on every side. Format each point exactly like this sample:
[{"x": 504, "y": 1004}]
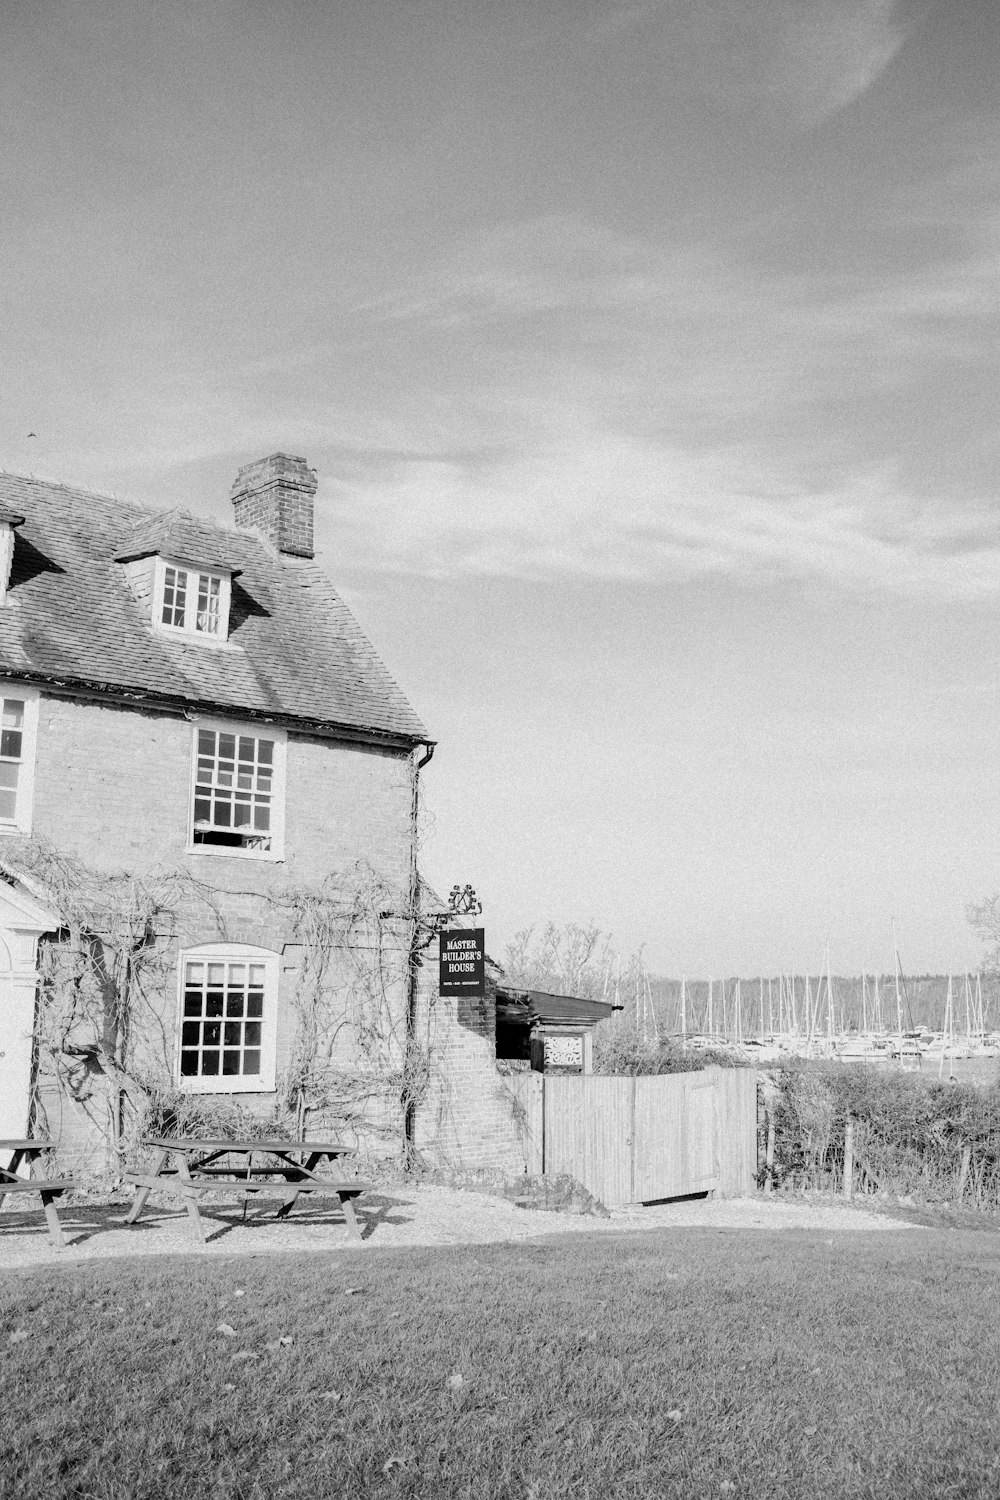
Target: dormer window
[
  {"x": 192, "y": 601},
  {"x": 180, "y": 575},
  {"x": 9, "y": 521}
]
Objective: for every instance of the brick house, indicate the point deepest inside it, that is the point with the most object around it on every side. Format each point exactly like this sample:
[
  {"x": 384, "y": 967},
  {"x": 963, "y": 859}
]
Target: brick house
[{"x": 208, "y": 797}]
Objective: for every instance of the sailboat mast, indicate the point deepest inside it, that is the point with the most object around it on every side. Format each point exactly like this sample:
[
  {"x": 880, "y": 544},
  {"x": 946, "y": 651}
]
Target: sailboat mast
[
  {"x": 829, "y": 997},
  {"x": 968, "y": 1008},
  {"x": 899, "y": 998},
  {"x": 810, "y": 1019}
]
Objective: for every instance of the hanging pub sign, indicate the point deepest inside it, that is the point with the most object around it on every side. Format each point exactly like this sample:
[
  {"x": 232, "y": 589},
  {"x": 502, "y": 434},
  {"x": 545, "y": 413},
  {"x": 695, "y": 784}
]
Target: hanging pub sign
[{"x": 463, "y": 963}]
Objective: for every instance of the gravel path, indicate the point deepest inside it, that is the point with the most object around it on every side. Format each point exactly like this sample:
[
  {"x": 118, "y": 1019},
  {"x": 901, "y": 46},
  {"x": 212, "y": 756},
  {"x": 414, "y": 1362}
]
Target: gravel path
[{"x": 393, "y": 1217}]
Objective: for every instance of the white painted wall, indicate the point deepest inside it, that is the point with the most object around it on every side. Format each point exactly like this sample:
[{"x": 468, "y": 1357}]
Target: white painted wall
[{"x": 17, "y": 1015}]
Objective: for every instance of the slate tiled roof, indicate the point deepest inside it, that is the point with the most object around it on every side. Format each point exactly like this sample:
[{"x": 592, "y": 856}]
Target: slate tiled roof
[
  {"x": 177, "y": 533},
  {"x": 296, "y": 653}
]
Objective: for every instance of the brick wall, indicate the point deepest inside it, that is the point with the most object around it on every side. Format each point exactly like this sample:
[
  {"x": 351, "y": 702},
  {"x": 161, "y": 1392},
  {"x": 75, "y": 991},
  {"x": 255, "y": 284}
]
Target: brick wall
[
  {"x": 468, "y": 1120},
  {"x": 112, "y": 787}
]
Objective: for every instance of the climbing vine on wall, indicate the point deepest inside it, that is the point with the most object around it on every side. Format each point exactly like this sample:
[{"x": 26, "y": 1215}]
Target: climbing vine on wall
[{"x": 101, "y": 1033}]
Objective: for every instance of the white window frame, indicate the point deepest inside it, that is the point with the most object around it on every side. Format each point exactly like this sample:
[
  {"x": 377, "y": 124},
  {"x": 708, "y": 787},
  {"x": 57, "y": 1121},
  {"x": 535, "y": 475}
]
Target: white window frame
[
  {"x": 279, "y": 738},
  {"x": 233, "y": 1083},
  {"x": 189, "y": 630},
  {"x": 21, "y": 821}
]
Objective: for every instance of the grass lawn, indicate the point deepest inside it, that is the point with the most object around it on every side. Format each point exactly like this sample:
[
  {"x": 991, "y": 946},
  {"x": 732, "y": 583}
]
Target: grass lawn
[{"x": 683, "y": 1363}]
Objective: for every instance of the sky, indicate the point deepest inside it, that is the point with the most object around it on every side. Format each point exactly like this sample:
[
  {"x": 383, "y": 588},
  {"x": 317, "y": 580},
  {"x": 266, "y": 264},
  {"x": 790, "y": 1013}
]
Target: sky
[{"x": 647, "y": 356}]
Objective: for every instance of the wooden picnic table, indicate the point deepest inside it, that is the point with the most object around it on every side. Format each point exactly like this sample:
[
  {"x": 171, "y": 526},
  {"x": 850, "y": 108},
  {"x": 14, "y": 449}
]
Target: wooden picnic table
[
  {"x": 25, "y": 1152},
  {"x": 200, "y": 1168}
]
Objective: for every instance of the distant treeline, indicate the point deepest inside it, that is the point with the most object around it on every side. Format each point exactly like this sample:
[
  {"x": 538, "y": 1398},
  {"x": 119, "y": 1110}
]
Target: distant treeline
[{"x": 753, "y": 1006}]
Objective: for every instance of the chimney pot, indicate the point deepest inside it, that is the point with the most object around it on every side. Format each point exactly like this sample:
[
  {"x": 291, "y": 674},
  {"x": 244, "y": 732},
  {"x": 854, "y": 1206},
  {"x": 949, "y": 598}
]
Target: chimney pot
[{"x": 274, "y": 496}]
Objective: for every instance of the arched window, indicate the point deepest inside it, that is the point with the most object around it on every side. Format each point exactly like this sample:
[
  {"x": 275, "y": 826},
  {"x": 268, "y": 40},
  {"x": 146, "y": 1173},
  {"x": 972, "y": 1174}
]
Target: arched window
[{"x": 228, "y": 1018}]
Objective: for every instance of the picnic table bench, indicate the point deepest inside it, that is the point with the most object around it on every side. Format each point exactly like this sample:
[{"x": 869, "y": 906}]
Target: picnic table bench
[
  {"x": 200, "y": 1168},
  {"x": 49, "y": 1188}
]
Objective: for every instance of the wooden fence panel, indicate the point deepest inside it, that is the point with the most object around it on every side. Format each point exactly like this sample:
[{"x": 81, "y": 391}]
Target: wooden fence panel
[
  {"x": 737, "y": 1130},
  {"x": 635, "y": 1140},
  {"x": 528, "y": 1092},
  {"x": 675, "y": 1136},
  {"x": 588, "y": 1133}
]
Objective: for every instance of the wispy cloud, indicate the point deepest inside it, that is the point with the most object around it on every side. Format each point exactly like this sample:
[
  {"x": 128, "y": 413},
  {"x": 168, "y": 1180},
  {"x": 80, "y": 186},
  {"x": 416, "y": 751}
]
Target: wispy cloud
[
  {"x": 796, "y": 62},
  {"x": 590, "y": 504},
  {"x": 596, "y": 405}
]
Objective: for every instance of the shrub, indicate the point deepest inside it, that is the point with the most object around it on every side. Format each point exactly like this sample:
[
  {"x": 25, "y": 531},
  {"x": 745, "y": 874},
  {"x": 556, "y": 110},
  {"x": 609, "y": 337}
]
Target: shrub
[{"x": 913, "y": 1136}]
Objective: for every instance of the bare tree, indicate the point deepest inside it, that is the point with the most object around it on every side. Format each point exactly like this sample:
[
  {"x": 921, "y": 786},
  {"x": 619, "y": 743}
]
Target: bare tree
[
  {"x": 573, "y": 959},
  {"x": 984, "y": 919}
]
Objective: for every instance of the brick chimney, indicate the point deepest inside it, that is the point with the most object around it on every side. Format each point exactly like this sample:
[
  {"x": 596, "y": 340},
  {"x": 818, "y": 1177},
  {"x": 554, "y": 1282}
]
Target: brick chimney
[{"x": 274, "y": 496}]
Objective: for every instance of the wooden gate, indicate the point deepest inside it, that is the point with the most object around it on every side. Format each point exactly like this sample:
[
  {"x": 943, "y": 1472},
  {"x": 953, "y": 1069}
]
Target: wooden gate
[{"x": 636, "y": 1140}]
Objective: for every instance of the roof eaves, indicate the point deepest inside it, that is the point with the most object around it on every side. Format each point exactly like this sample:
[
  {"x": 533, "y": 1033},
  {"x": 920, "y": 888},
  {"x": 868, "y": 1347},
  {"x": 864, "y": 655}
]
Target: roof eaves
[{"x": 178, "y": 703}]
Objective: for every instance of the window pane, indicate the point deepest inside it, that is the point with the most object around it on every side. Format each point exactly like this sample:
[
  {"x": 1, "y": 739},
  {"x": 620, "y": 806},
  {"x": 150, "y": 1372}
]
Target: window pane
[
  {"x": 8, "y": 805},
  {"x": 174, "y": 596},
  {"x": 13, "y": 713},
  {"x": 207, "y": 614},
  {"x": 10, "y": 743},
  {"x": 214, "y": 1044},
  {"x": 8, "y": 774},
  {"x": 237, "y": 768}
]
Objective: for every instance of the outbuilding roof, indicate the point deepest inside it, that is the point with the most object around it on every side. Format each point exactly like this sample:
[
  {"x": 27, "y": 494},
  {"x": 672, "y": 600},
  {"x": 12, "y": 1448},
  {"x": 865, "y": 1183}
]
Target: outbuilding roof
[
  {"x": 538, "y": 1007},
  {"x": 295, "y": 651}
]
